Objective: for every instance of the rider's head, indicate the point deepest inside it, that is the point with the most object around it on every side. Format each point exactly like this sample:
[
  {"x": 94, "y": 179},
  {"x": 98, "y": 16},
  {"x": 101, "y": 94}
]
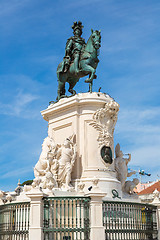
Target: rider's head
[
  {"x": 77, "y": 32},
  {"x": 77, "y": 28}
]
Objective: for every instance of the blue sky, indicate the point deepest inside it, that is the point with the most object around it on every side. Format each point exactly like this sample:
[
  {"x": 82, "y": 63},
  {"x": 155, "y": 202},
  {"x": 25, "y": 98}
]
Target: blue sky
[{"x": 33, "y": 34}]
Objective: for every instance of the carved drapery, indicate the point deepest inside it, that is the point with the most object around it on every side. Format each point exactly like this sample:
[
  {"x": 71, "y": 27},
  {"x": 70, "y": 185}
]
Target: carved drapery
[{"x": 54, "y": 168}]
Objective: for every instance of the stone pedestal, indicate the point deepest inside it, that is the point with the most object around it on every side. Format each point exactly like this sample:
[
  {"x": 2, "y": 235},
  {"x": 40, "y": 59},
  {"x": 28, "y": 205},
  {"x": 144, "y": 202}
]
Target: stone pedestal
[
  {"x": 96, "y": 218},
  {"x": 158, "y": 220},
  {"x": 92, "y": 118},
  {"x": 156, "y": 202},
  {"x": 36, "y": 214}
]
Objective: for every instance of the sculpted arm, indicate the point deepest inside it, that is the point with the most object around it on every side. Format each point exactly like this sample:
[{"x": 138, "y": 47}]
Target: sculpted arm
[
  {"x": 131, "y": 173},
  {"x": 38, "y": 172},
  {"x": 127, "y": 161},
  {"x": 68, "y": 47}
]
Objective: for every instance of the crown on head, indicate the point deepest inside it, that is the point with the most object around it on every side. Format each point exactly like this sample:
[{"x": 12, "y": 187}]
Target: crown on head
[{"x": 77, "y": 25}]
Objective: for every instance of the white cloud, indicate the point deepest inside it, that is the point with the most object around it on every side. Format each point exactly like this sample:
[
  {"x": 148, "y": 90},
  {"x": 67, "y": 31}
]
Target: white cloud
[
  {"x": 19, "y": 96},
  {"x": 18, "y": 104},
  {"x": 22, "y": 100},
  {"x": 139, "y": 131},
  {"x": 139, "y": 120},
  {"x": 147, "y": 156},
  {"x": 18, "y": 172}
]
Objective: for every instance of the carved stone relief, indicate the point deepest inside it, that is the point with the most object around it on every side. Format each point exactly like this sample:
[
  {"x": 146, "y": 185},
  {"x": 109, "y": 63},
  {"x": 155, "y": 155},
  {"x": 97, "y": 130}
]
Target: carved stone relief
[
  {"x": 104, "y": 121},
  {"x": 54, "y": 168},
  {"x": 121, "y": 167}
]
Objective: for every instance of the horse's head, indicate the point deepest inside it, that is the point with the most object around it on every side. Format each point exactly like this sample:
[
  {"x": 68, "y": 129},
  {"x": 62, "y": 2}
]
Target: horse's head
[{"x": 96, "y": 38}]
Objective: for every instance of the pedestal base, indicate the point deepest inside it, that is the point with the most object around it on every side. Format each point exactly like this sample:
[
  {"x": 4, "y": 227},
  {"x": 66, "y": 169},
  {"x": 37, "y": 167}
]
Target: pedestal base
[{"x": 91, "y": 117}]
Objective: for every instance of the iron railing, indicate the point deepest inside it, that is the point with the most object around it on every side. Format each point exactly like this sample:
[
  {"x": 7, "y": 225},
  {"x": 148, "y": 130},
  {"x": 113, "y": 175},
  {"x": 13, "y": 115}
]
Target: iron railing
[
  {"x": 14, "y": 221},
  {"x": 66, "y": 218},
  {"x": 129, "y": 221}
]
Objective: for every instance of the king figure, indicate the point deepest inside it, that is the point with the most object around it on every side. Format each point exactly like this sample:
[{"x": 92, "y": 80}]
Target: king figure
[{"x": 73, "y": 49}]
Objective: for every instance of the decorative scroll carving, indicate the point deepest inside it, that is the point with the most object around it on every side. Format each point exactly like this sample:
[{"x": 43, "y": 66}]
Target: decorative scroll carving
[
  {"x": 81, "y": 186},
  {"x": 104, "y": 121}
]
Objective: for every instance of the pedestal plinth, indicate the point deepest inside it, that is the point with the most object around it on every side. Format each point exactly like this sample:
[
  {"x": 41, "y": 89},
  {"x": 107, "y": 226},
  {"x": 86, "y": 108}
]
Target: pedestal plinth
[{"x": 92, "y": 118}]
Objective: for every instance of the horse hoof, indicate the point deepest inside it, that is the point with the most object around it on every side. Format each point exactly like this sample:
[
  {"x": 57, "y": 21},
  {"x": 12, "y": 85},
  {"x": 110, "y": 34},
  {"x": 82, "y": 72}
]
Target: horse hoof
[
  {"x": 74, "y": 93},
  {"x": 62, "y": 96},
  {"x": 88, "y": 80}
]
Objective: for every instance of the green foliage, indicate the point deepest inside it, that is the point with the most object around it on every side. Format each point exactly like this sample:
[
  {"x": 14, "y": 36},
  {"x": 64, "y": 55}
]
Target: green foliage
[{"x": 28, "y": 182}]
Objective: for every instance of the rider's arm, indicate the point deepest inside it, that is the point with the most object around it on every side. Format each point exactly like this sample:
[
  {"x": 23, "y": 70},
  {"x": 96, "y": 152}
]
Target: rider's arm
[{"x": 68, "y": 47}]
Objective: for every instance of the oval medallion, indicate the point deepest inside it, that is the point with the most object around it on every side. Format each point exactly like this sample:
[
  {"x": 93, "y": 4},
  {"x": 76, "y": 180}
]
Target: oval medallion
[{"x": 106, "y": 154}]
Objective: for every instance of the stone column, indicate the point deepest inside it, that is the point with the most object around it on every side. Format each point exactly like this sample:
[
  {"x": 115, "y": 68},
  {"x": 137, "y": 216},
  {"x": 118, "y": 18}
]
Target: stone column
[
  {"x": 156, "y": 202},
  {"x": 96, "y": 214},
  {"x": 36, "y": 214},
  {"x": 158, "y": 220}
]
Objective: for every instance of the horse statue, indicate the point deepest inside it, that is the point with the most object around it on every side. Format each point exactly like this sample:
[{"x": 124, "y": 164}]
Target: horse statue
[{"x": 87, "y": 64}]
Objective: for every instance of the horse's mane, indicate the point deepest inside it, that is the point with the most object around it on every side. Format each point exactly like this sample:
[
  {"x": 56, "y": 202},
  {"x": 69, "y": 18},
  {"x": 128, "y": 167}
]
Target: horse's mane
[
  {"x": 84, "y": 46},
  {"x": 89, "y": 39}
]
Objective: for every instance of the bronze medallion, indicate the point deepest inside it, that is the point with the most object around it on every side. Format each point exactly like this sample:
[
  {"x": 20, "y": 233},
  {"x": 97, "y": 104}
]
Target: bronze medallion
[{"x": 106, "y": 154}]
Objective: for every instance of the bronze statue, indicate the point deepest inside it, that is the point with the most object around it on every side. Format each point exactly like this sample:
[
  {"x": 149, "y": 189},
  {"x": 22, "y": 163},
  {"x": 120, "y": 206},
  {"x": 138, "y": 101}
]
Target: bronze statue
[{"x": 80, "y": 60}]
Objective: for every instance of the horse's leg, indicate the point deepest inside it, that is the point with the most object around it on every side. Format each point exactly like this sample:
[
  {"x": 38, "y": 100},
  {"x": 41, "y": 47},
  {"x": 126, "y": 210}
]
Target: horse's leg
[
  {"x": 90, "y": 86},
  {"x": 72, "y": 83},
  {"x": 94, "y": 77},
  {"x": 91, "y": 83},
  {"x": 91, "y": 71},
  {"x": 61, "y": 89}
]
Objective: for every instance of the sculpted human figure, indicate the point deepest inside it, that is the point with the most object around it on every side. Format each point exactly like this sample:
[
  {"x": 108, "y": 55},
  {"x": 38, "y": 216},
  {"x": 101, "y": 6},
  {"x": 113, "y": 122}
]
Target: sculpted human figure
[
  {"x": 55, "y": 164},
  {"x": 73, "y": 48},
  {"x": 66, "y": 161},
  {"x": 121, "y": 166}
]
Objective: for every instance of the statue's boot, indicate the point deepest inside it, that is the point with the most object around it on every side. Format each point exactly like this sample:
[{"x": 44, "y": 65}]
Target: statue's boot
[{"x": 88, "y": 80}]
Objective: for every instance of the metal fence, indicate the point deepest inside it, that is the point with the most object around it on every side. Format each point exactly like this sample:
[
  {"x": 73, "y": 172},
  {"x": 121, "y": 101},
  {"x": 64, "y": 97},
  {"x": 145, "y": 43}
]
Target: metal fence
[
  {"x": 66, "y": 218},
  {"x": 129, "y": 221},
  {"x": 14, "y": 221}
]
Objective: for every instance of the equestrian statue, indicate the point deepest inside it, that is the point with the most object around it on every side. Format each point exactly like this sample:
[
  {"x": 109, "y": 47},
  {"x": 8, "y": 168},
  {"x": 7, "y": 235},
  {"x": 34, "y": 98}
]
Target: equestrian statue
[{"x": 81, "y": 59}]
